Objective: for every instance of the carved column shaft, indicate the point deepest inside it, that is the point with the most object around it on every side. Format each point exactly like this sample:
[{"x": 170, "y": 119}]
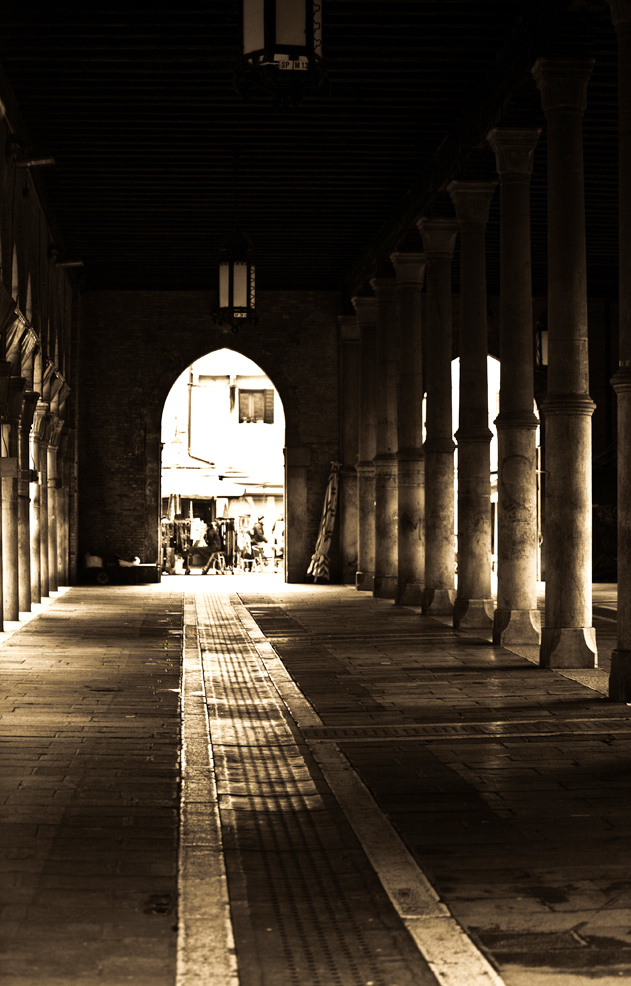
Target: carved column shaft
[
  {"x": 516, "y": 618},
  {"x": 24, "y": 502},
  {"x": 568, "y": 638},
  {"x": 386, "y": 505},
  {"x": 54, "y": 485},
  {"x": 366, "y": 309},
  {"x": 10, "y": 502},
  {"x": 439, "y": 238},
  {"x": 349, "y": 444},
  {"x": 410, "y": 270},
  {"x": 39, "y": 503},
  {"x": 474, "y": 605},
  {"x": 63, "y": 522}
]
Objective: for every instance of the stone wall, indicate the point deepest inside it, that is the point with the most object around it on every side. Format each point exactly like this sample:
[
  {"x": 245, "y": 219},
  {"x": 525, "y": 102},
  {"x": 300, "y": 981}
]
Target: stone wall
[{"x": 135, "y": 344}]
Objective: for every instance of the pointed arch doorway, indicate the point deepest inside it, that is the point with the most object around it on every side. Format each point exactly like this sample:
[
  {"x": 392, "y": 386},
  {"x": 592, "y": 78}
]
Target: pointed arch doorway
[{"x": 223, "y": 437}]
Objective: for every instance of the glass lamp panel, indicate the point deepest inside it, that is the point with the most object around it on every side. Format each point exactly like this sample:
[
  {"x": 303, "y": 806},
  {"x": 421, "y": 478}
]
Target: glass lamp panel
[
  {"x": 224, "y": 284},
  {"x": 290, "y": 22},
  {"x": 253, "y": 25},
  {"x": 240, "y": 290},
  {"x": 252, "y": 305},
  {"x": 544, "y": 348}
]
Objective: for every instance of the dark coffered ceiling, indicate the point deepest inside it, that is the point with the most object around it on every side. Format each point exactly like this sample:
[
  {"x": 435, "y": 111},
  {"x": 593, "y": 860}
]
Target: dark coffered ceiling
[{"x": 156, "y": 153}]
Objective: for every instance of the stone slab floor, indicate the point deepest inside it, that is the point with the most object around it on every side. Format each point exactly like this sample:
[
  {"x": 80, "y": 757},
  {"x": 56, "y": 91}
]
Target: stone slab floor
[{"x": 507, "y": 785}]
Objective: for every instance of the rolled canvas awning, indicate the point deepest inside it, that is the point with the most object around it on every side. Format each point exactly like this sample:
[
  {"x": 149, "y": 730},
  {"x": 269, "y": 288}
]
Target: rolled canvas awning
[{"x": 197, "y": 484}]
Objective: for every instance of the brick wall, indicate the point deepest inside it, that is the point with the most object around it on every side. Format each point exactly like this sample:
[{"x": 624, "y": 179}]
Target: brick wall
[{"x": 133, "y": 347}]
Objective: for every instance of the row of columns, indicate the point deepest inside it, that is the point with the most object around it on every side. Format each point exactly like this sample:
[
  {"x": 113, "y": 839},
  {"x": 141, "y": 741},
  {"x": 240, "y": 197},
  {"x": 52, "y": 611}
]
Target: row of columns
[
  {"x": 403, "y": 502},
  {"x": 35, "y": 510}
]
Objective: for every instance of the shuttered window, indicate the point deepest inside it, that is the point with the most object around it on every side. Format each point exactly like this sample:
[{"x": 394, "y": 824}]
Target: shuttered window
[{"x": 256, "y": 405}]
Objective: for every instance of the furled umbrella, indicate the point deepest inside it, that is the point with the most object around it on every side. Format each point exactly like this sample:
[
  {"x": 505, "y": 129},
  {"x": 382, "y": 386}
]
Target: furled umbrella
[{"x": 319, "y": 564}]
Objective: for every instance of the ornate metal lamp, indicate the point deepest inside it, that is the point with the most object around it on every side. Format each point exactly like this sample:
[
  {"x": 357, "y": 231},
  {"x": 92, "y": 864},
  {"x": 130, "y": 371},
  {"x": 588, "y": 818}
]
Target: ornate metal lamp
[{"x": 281, "y": 50}]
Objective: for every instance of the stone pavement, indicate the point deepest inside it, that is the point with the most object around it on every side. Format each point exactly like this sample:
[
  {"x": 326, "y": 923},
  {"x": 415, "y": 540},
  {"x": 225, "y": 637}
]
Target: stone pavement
[
  {"x": 481, "y": 836},
  {"x": 89, "y": 734}
]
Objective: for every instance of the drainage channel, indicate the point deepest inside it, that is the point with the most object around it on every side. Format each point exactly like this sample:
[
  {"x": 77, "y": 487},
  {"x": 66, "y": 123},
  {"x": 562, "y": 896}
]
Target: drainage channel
[
  {"x": 510, "y": 729},
  {"x": 306, "y": 906}
]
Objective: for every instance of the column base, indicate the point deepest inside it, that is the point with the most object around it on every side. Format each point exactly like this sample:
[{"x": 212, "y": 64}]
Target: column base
[
  {"x": 385, "y": 587},
  {"x": 473, "y": 614},
  {"x": 516, "y": 626},
  {"x": 364, "y": 581},
  {"x": 438, "y": 602},
  {"x": 409, "y": 594},
  {"x": 620, "y": 676},
  {"x": 568, "y": 647}
]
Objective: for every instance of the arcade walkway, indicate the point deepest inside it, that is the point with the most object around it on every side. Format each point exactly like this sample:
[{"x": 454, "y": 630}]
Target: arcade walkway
[{"x": 384, "y": 801}]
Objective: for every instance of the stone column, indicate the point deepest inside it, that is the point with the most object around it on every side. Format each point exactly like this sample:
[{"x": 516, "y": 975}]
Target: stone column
[
  {"x": 54, "y": 485},
  {"x": 410, "y": 270},
  {"x": 24, "y": 502},
  {"x": 620, "y": 673},
  {"x": 298, "y": 551},
  {"x": 386, "y": 506},
  {"x": 39, "y": 526},
  {"x": 366, "y": 309},
  {"x": 568, "y": 639},
  {"x": 43, "y": 513},
  {"x": 349, "y": 445},
  {"x": 63, "y": 518},
  {"x": 439, "y": 237},
  {"x": 10, "y": 503},
  {"x": 517, "y": 619},
  {"x": 5, "y": 399},
  {"x": 474, "y": 604}
]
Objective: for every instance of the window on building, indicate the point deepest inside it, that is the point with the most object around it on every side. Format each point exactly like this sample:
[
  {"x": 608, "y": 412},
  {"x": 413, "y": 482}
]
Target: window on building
[{"x": 256, "y": 405}]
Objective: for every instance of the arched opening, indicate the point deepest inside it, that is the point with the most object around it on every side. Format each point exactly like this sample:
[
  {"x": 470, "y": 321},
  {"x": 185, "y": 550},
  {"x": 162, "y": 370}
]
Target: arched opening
[{"x": 222, "y": 470}]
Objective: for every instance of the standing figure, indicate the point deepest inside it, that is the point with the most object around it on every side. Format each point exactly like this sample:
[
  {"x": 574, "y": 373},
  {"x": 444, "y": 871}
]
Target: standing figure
[
  {"x": 216, "y": 557},
  {"x": 258, "y": 539}
]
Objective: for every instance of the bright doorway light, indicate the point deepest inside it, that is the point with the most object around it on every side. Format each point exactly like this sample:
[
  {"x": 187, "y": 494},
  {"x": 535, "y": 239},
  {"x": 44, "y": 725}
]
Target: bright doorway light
[{"x": 223, "y": 434}]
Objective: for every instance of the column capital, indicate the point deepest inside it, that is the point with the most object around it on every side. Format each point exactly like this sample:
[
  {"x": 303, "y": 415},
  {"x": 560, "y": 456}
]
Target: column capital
[
  {"x": 620, "y": 12},
  {"x": 409, "y": 267},
  {"x": 55, "y": 430},
  {"x": 472, "y": 200},
  {"x": 621, "y": 380},
  {"x": 513, "y": 149},
  {"x": 41, "y": 421},
  {"x": 366, "y": 309},
  {"x": 17, "y": 386},
  {"x": 563, "y": 82},
  {"x": 384, "y": 287},
  {"x": 349, "y": 329},
  {"x": 439, "y": 236}
]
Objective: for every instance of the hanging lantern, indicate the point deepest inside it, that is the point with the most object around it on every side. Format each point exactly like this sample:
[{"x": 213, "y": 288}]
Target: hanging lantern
[
  {"x": 281, "y": 50},
  {"x": 236, "y": 282}
]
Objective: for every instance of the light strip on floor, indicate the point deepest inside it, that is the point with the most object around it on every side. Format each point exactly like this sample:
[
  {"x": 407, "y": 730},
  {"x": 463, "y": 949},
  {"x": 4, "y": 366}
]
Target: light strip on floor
[
  {"x": 205, "y": 948},
  {"x": 448, "y": 950}
]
